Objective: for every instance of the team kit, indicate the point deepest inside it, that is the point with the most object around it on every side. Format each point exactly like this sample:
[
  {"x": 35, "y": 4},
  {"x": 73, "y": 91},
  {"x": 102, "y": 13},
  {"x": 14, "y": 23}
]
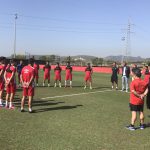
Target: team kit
[{"x": 28, "y": 78}]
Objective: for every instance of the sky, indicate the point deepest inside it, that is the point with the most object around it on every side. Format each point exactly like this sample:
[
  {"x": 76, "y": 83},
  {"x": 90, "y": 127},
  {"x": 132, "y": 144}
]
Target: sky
[{"x": 73, "y": 27}]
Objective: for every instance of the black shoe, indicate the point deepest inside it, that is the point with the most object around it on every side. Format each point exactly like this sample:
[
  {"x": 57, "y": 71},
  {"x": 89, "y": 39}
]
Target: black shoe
[
  {"x": 22, "y": 110},
  {"x": 130, "y": 127},
  {"x": 142, "y": 126}
]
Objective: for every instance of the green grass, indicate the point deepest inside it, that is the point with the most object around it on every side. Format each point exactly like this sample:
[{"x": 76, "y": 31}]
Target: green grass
[{"x": 84, "y": 122}]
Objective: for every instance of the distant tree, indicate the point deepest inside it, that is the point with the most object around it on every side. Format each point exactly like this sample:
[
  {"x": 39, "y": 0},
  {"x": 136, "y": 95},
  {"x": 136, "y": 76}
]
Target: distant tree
[
  {"x": 44, "y": 58},
  {"x": 52, "y": 58},
  {"x": 97, "y": 61}
]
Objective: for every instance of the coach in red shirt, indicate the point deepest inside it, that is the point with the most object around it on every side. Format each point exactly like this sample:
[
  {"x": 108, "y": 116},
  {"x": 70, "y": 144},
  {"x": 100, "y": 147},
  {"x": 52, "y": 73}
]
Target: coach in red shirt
[
  {"x": 138, "y": 90},
  {"x": 27, "y": 80}
]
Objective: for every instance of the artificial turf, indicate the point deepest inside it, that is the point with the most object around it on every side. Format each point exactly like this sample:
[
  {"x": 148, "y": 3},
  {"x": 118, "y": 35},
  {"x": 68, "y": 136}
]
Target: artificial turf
[{"x": 92, "y": 121}]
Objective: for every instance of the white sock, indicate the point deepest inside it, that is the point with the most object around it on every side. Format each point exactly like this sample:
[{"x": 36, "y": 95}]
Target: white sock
[
  {"x": 1, "y": 101},
  {"x": 65, "y": 83},
  {"x": 60, "y": 84},
  {"x": 70, "y": 83},
  {"x": 10, "y": 104},
  {"x": 6, "y": 104}
]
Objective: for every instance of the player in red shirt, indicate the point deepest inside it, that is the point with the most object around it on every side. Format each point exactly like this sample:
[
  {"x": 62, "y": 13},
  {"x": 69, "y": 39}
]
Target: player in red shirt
[
  {"x": 36, "y": 67},
  {"x": 2, "y": 70},
  {"x": 27, "y": 80},
  {"x": 68, "y": 74},
  {"x": 146, "y": 73},
  {"x": 138, "y": 90},
  {"x": 10, "y": 83},
  {"x": 57, "y": 71},
  {"x": 88, "y": 75},
  {"x": 47, "y": 69}
]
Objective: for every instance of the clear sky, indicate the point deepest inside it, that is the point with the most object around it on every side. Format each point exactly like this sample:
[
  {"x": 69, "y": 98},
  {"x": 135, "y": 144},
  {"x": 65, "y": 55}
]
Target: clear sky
[{"x": 72, "y": 27}]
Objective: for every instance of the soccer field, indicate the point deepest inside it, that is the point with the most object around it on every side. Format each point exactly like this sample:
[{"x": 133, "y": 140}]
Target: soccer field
[{"x": 73, "y": 119}]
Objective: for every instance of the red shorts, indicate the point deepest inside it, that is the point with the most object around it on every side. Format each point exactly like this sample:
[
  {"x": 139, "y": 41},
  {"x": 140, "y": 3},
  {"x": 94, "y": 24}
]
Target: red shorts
[
  {"x": 11, "y": 88},
  {"x": 1, "y": 86},
  {"x": 88, "y": 78},
  {"x": 68, "y": 77},
  {"x": 36, "y": 75},
  {"x": 57, "y": 77},
  {"x": 28, "y": 91},
  {"x": 46, "y": 76}
]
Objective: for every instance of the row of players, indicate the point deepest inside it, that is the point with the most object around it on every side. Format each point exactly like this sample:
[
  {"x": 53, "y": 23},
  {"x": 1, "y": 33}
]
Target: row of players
[
  {"x": 138, "y": 88},
  {"x": 26, "y": 76}
]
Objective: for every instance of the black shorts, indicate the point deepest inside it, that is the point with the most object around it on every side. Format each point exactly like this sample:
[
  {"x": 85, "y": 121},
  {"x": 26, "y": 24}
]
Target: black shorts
[
  {"x": 114, "y": 79},
  {"x": 138, "y": 108}
]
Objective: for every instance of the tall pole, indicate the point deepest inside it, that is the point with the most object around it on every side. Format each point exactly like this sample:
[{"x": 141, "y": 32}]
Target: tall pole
[
  {"x": 16, "y": 17},
  {"x": 127, "y": 40}
]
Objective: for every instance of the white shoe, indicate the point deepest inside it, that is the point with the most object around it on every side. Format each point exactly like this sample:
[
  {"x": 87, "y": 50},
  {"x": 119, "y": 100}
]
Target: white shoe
[
  {"x": 30, "y": 110},
  {"x": 85, "y": 87},
  {"x": 43, "y": 84},
  {"x": 91, "y": 88},
  {"x": 37, "y": 84},
  {"x": 48, "y": 85}
]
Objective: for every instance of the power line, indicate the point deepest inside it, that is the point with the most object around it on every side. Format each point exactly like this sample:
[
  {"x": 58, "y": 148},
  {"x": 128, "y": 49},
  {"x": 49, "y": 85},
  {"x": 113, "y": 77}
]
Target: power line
[{"x": 65, "y": 20}]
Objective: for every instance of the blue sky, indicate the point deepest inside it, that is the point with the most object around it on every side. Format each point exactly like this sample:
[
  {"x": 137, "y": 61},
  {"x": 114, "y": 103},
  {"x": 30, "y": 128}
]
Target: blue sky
[{"x": 72, "y": 27}]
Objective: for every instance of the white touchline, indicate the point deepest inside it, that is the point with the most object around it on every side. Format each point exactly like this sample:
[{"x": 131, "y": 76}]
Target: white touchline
[{"x": 76, "y": 94}]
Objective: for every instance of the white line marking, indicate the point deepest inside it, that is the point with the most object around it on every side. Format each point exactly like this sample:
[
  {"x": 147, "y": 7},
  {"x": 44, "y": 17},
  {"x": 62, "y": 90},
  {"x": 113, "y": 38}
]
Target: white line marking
[{"x": 76, "y": 94}]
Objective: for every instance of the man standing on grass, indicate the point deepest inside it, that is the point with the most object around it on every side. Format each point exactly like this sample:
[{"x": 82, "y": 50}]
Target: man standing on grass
[
  {"x": 139, "y": 90},
  {"x": 19, "y": 69},
  {"x": 2, "y": 70},
  {"x": 57, "y": 71},
  {"x": 147, "y": 80},
  {"x": 68, "y": 74},
  {"x": 46, "y": 69},
  {"x": 27, "y": 80},
  {"x": 114, "y": 76},
  {"x": 10, "y": 83},
  {"x": 36, "y": 67},
  {"x": 88, "y": 75},
  {"x": 125, "y": 76}
]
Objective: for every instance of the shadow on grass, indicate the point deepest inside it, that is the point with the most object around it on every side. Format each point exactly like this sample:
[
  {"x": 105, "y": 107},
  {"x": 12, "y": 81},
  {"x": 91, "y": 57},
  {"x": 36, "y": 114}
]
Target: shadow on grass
[
  {"x": 147, "y": 125},
  {"x": 56, "y": 108},
  {"x": 102, "y": 87},
  {"x": 39, "y": 103}
]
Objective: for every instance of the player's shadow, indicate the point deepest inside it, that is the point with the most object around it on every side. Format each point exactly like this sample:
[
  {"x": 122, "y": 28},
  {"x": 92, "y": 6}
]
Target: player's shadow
[
  {"x": 147, "y": 125},
  {"x": 39, "y": 103},
  {"x": 56, "y": 108},
  {"x": 45, "y": 103},
  {"x": 102, "y": 87}
]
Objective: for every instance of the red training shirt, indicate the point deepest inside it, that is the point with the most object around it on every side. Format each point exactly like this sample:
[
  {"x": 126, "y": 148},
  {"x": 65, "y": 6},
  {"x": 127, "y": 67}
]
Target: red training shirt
[
  {"x": 139, "y": 86},
  {"x": 27, "y": 72}
]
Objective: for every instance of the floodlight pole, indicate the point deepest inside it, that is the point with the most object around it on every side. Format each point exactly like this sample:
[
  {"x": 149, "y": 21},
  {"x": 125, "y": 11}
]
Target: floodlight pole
[{"x": 16, "y": 17}]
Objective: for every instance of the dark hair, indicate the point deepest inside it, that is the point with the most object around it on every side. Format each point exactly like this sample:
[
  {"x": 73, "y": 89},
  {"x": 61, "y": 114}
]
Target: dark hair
[
  {"x": 2, "y": 59},
  {"x": 137, "y": 72}
]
